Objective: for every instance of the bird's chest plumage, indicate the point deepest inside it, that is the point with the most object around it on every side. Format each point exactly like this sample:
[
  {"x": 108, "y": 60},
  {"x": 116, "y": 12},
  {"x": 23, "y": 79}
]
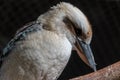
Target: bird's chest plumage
[
  {"x": 42, "y": 55},
  {"x": 53, "y": 50}
]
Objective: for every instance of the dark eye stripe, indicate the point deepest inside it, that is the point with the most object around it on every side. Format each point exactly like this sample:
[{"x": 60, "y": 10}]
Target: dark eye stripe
[
  {"x": 71, "y": 26},
  {"x": 78, "y": 31},
  {"x": 67, "y": 22}
]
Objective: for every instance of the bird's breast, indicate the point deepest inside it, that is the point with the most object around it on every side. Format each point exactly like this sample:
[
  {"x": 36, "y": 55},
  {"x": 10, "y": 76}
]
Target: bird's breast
[
  {"x": 52, "y": 52},
  {"x": 41, "y": 55},
  {"x": 49, "y": 44}
]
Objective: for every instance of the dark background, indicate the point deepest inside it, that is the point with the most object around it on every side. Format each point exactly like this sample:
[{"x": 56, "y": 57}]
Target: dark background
[{"x": 104, "y": 16}]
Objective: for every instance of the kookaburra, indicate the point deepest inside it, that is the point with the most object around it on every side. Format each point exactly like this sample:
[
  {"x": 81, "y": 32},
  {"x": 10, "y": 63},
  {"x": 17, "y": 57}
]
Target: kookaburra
[{"x": 41, "y": 49}]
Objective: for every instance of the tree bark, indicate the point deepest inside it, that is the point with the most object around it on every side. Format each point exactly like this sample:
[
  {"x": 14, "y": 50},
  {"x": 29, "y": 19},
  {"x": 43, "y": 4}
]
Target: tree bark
[{"x": 111, "y": 72}]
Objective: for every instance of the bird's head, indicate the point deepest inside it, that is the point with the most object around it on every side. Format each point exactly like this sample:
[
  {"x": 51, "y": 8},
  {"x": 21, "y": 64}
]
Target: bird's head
[{"x": 70, "y": 21}]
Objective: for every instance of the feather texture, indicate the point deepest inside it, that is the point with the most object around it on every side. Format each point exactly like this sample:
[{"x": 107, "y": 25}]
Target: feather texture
[
  {"x": 40, "y": 56},
  {"x": 41, "y": 50}
]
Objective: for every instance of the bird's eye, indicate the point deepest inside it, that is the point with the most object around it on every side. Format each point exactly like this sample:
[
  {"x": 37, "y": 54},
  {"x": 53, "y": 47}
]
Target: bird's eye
[
  {"x": 72, "y": 27},
  {"x": 78, "y": 32}
]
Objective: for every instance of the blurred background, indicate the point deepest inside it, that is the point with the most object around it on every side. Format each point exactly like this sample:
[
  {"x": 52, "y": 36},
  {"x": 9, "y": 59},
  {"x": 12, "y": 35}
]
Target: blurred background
[{"x": 104, "y": 16}]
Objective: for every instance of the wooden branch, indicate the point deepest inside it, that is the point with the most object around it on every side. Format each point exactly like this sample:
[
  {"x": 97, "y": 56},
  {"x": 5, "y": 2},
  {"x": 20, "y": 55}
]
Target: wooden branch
[{"x": 111, "y": 72}]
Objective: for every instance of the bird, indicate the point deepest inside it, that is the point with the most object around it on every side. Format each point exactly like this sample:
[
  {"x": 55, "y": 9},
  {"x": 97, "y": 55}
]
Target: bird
[{"x": 41, "y": 49}]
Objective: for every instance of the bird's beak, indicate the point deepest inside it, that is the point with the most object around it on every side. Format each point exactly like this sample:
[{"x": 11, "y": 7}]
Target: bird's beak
[{"x": 84, "y": 51}]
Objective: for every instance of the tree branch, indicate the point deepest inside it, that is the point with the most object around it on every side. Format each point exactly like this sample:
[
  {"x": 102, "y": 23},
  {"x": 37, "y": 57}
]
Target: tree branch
[{"x": 111, "y": 72}]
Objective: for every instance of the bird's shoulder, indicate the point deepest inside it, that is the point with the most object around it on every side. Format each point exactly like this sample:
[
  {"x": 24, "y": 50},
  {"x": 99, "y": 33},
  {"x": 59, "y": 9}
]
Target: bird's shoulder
[{"x": 20, "y": 35}]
